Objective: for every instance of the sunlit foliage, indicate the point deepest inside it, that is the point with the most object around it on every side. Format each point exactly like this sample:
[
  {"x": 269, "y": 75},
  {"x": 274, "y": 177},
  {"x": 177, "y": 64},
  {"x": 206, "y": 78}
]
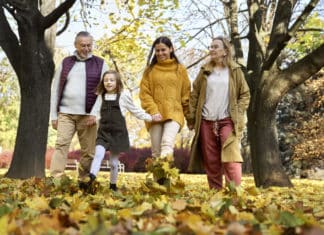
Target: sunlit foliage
[
  {"x": 308, "y": 38},
  {"x": 56, "y": 206}
]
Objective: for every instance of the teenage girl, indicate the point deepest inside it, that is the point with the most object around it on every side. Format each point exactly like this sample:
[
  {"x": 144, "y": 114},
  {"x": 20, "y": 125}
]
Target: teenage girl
[{"x": 164, "y": 93}]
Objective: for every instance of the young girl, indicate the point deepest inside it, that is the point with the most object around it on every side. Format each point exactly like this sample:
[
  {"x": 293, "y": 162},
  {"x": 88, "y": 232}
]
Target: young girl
[
  {"x": 164, "y": 93},
  {"x": 112, "y": 133}
]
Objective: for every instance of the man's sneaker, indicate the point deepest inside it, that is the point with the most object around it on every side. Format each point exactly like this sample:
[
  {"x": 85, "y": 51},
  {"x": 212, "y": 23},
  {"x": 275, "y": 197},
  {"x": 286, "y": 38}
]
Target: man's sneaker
[
  {"x": 161, "y": 181},
  {"x": 83, "y": 185},
  {"x": 87, "y": 184},
  {"x": 113, "y": 187}
]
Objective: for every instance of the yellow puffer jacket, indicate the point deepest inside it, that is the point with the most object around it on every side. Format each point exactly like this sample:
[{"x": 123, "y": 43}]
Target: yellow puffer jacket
[{"x": 165, "y": 89}]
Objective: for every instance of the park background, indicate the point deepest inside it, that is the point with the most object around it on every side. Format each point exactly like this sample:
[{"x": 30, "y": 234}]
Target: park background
[
  {"x": 299, "y": 116},
  {"x": 266, "y": 36}
]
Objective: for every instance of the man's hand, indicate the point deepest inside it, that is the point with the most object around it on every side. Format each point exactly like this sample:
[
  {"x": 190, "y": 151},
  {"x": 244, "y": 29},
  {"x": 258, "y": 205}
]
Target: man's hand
[
  {"x": 91, "y": 120},
  {"x": 54, "y": 124}
]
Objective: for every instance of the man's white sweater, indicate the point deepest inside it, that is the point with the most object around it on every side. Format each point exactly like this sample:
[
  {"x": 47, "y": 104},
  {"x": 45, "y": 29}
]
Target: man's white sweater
[{"x": 74, "y": 93}]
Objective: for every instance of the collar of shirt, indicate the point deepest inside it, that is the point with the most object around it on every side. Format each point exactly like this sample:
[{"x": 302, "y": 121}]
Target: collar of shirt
[
  {"x": 110, "y": 96},
  {"x": 78, "y": 58}
]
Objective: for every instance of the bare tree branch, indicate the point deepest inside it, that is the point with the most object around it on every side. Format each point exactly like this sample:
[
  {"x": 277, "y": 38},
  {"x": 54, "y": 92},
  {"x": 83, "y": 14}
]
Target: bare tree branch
[
  {"x": 57, "y": 13},
  {"x": 232, "y": 15},
  {"x": 113, "y": 60},
  {"x": 9, "y": 41},
  {"x": 302, "y": 18},
  {"x": 67, "y": 21},
  {"x": 256, "y": 44},
  {"x": 300, "y": 71},
  {"x": 83, "y": 13},
  {"x": 197, "y": 62},
  {"x": 204, "y": 28},
  {"x": 311, "y": 30},
  {"x": 280, "y": 34},
  {"x": 9, "y": 8},
  {"x": 280, "y": 27},
  {"x": 15, "y": 5}
]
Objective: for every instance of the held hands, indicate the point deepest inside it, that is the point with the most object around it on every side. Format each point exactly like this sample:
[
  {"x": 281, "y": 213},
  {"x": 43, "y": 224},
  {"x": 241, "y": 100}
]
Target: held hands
[
  {"x": 190, "y": 127},
  {"x": 156, "y": 117}
]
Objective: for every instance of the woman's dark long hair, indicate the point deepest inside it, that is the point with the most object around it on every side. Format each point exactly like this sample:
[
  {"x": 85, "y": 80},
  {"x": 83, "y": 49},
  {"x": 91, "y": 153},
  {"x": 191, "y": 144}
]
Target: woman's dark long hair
[{"x": 166, "y": 41}]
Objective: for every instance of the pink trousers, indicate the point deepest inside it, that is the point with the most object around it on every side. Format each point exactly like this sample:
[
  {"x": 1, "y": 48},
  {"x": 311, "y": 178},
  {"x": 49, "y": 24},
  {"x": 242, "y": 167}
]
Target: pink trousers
[{"x": 213, "y": 134}]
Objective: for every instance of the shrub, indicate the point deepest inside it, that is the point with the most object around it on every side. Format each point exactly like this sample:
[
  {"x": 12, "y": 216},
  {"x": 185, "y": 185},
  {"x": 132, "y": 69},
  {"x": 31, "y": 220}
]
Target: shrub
[
  {"x": 181, "y": 159},
  {"x": 134, "y": 159},
  {"x": 5, "y": 159}
]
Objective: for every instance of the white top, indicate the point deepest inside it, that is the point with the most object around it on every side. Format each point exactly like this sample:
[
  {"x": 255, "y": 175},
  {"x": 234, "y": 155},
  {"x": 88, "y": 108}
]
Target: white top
[
  {"x": 74, "y": 93},
  {"x": 126, "y": 103},
  {"x": 217, "y": 96}
]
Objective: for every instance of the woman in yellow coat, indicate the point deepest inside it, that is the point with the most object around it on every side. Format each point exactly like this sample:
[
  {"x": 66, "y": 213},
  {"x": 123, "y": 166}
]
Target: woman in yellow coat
[
  {"x": 218, "y": 101},
  {"x": 164, "y": 93}
]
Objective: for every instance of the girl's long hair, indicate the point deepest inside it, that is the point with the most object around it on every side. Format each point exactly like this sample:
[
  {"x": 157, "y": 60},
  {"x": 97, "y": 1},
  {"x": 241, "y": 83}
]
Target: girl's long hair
[
  {"x": 228, "y": 58},
  {"x": 101, "y": 90}
]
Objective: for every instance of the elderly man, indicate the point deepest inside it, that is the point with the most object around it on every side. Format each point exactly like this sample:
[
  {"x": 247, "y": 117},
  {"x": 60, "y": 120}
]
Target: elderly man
[{"x": 74, "y": 104}]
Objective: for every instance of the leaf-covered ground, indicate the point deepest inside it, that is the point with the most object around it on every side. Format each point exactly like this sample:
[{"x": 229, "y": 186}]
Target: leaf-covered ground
[{"x": 56, "y": 206}]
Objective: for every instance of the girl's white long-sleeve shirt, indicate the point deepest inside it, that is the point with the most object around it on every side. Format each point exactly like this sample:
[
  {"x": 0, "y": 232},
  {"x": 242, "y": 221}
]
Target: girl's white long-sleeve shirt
[{"x": 126, "y": 103}]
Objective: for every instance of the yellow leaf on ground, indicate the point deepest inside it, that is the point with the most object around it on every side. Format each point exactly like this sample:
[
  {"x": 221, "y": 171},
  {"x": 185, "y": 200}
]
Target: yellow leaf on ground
[
  {"x": 37, "y": 203},
  {"x": 139, "y": 210},
  {"x": 4, "y": 224},
  {"x": 125, "y": 213},
  {"x": 179, "y": 205},
  {"x": 110, "y": 201},
  {"x": 78, "y": 215},
  {"x": 159, "y": 204},
  {"x": 246, "y": 216},
  {"x": 197, "y": 225}
]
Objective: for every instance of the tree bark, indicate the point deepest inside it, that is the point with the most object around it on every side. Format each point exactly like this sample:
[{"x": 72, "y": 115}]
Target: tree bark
[
  {"x": 262, "y": 134},
  {"x": 37, "y": 69},
  {"x": 34, "y": 66}
]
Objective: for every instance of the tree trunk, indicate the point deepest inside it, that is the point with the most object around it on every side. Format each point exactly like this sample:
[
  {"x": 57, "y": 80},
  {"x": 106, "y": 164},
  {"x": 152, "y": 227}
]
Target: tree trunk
[
  {"x": 37, "y": 70},
  {"x": 262, "y": 133},
  {"x": 246, "y": 154},
  {"x": 34, "y": 66}
]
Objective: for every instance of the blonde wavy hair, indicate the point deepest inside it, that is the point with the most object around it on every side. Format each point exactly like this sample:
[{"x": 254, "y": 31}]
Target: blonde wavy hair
[{"x": 228, "y": 59}]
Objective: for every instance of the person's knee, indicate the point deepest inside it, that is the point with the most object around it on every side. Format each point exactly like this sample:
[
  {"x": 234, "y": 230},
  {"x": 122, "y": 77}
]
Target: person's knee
[
  {"x": 62, "y": 144},
  {"x": 63, "y": 141}
]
